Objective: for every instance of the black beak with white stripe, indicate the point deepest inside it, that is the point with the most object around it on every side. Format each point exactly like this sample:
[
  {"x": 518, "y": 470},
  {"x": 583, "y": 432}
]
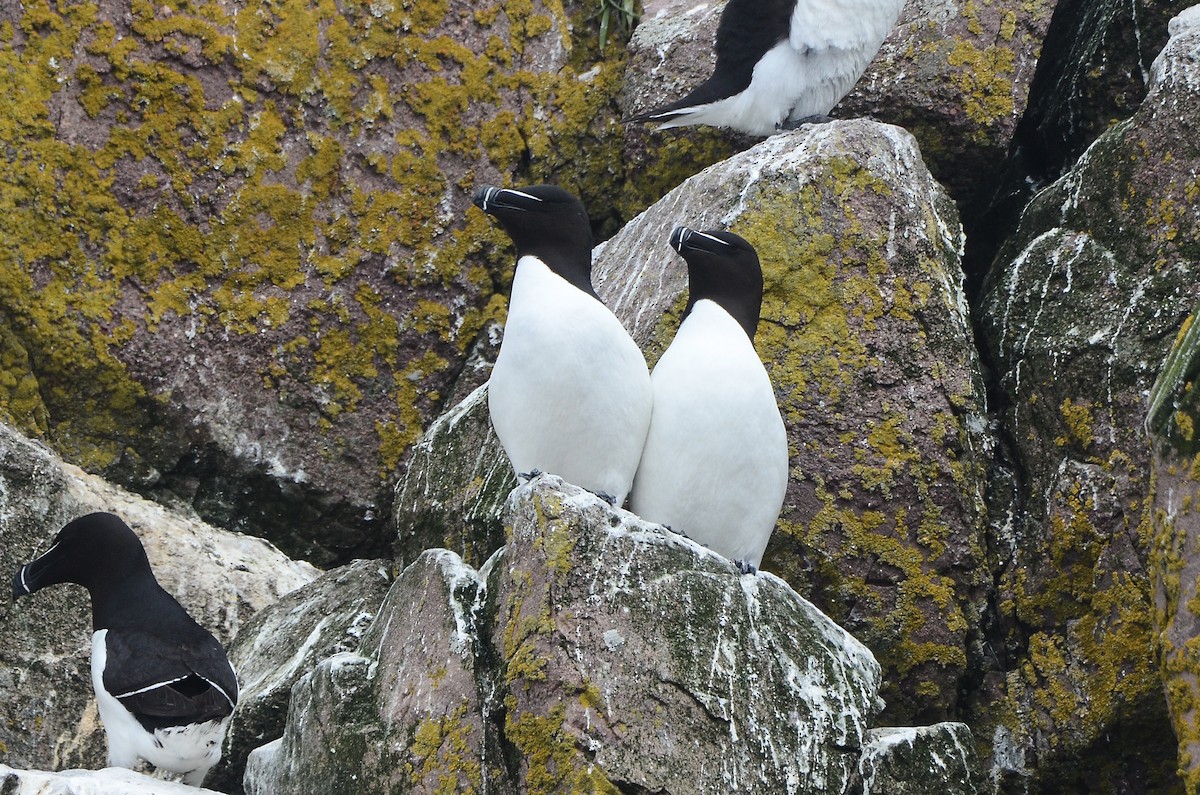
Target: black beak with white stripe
[
  {"x": 724, "y": 268},
  {"x": 164, "y": 684},
  {"x": 28, "y": 578}
]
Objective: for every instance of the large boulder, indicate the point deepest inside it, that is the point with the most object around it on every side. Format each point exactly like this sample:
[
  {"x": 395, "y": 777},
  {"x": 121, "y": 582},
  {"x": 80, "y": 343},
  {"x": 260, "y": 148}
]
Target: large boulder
[
  {"x": 239, "y": 270},
  {"x": 453, "y": 493},
  {"x": 286, "y": 640},
  {"x": 405, "y": 712},
  {"x": 1094, "y": 69},
  {"x": 866, "y": 338},
  {"x": 594, "y": 653},
  {"x": 1078, "y": 314},
  {"x": 633, "y": 657},
  {"x": 48, "y": 714}
]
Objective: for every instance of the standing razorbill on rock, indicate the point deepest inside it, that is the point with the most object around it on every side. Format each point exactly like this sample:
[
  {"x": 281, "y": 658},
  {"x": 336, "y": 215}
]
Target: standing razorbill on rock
[
  {"x": 715, "y": 464},
  {"x": 781, "y": 63},
  {"x": 570, "y": 392},
  {"x": 164, "y": 685}
]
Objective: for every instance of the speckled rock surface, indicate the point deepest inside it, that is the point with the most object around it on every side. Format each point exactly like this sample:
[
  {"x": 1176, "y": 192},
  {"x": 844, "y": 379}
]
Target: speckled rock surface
[
  {"x": 239, "y": 268},
  {"x": 109, "y": 781},
  {"x": 640, "y": 660},
  {"x": 1175, "y": 566},
  {"x": 47, "y": 716},
  {"x": 453, "y": 492},
  {"x": 865, "y": 335},
  {"x": 404, "y": 713},
  {"x": 1095, "y": 68},
  {"x": 956, "y": 75},
  {"x": 286, "y": 640},
  {"x": 596, "y": 653},
  {"x": 906, "y": 761},
  {"x": 1079, "y": 312}
]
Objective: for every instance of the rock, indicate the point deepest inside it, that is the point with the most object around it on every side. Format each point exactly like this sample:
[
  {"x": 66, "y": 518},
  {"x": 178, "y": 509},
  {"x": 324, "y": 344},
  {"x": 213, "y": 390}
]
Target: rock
[
  {"x": 222, "y": 578},
  {"x": 454, "y": 490},
  {"x": 1078, "y": 313},
  {"x": 609, "y": 632},
  {"x": 109, "y": 781},
  {"x": 905, "y": 761},
  {"x": 866, "y": 337},
  {"x": 594, "y": 653},
  {"x": 957, "y": 76},
  {"x": 1175, "y": 566},
  {"x": 1094, "y": 69},
  {"x": 243, "y": 271},
  {"x": 405, "y": 713},
  {"x": 286, "y": 640}
]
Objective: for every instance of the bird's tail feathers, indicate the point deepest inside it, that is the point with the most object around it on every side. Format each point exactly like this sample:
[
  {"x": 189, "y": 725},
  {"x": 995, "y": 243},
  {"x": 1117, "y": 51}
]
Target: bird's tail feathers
[{"x": 664, "y": 117}]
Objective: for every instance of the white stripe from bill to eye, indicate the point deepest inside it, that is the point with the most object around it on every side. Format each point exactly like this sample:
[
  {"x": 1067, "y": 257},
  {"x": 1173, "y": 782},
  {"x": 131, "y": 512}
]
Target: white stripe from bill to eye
[
  {"x": 714, "y": 239},
  {"x": 522, "y": 193}
]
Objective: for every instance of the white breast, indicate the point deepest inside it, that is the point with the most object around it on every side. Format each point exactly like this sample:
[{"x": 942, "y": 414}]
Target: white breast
[
  {"x": 570, "y": 392},
  {"x": 715, "y": 463}
]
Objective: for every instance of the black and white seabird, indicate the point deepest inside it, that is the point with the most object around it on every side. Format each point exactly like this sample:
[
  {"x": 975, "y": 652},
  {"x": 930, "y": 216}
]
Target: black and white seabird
[
  {"x": 570, "y": 392},
  {"x": 164, "y": 686},
  {"x": 715, "y": 463},
  {"x": 781, "y": 63}
]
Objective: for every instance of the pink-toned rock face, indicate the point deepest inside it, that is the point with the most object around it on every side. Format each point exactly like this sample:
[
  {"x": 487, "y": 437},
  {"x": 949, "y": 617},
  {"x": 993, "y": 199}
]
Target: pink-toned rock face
[
  {"x": 239, "y": 257},
  {"x": 285, "y": 641},
  {"x": 404, "y": 712}
]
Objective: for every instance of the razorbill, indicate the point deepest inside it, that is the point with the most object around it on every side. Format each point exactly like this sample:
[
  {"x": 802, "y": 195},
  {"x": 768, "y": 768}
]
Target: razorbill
[
  {"x": 715, "y": 463},
  {"x": 781, "y": 63},
  {"x": 570, "y": 391},
  {"x": 164, "y": 686}
]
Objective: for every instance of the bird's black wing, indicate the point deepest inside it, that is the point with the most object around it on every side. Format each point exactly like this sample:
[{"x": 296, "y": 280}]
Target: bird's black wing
[
  {"x": 746, "y": 31},
  {"x": 169, "y": 682}
]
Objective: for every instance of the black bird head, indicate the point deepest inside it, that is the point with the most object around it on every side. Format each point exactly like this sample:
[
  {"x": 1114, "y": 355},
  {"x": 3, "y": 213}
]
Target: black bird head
[
  {"x": 93, "y": 551},
  {"x": 723, "y": 268},
  {"x": 546, "y": 222}
]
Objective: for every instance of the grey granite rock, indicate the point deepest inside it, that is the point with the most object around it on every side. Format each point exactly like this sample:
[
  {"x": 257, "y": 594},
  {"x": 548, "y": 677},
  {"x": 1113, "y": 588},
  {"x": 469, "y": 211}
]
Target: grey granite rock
[{"x": 285, "y": 641}]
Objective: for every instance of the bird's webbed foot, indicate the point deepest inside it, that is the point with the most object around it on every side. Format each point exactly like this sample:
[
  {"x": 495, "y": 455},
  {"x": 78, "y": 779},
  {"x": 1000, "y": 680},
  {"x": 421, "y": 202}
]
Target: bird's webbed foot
[{"x": 745, "y": 567}]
